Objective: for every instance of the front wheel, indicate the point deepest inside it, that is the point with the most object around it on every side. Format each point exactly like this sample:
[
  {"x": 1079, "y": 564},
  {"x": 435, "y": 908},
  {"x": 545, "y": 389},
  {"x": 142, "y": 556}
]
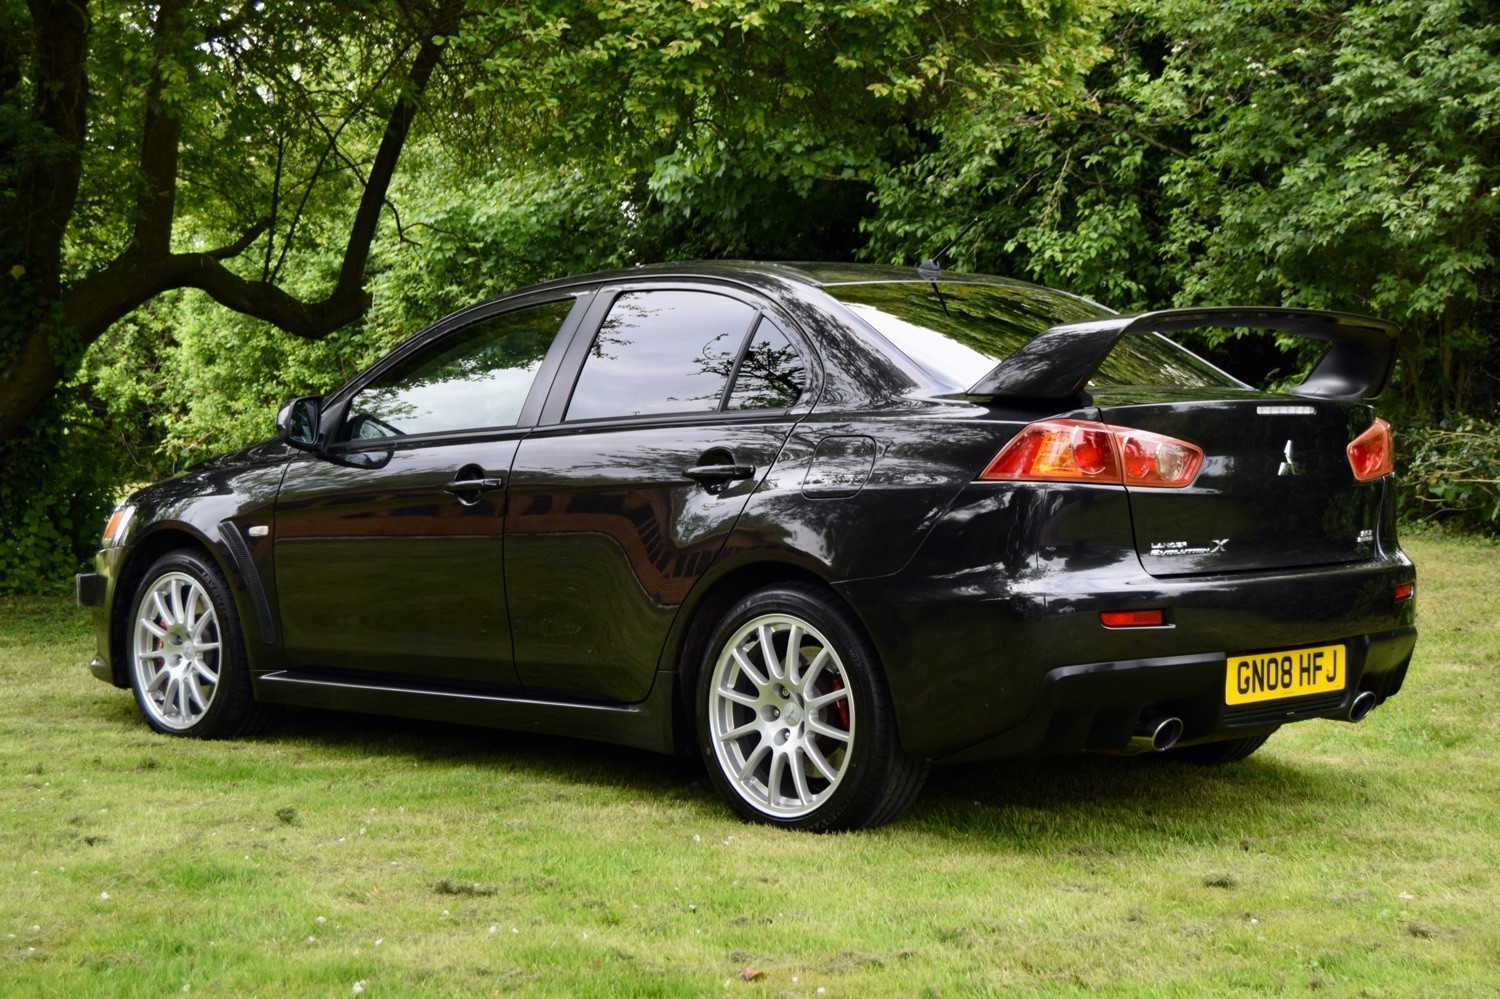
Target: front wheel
[
  {"x": 185, "y": 654},
  {"x": 795, "y": 720}
]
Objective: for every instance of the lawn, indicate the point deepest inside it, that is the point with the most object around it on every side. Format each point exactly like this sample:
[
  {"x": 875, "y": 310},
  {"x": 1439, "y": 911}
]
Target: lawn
[{"x": 342, "y": 854}]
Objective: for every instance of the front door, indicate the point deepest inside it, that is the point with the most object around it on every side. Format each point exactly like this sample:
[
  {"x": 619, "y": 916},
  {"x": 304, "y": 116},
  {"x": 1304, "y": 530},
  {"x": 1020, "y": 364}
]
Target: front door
[{"x": 389, "y": 547}]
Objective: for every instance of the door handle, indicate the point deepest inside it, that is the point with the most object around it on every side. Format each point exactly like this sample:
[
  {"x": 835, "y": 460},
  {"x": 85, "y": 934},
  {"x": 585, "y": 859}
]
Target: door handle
[
  {"x": 719, "y": 473},
  {"x": 473, "y": 485}
]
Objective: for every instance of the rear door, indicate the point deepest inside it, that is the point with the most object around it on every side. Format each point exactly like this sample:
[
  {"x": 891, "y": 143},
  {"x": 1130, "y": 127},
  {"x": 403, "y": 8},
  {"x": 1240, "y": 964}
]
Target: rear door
[
  {"x": 389, "y": 547},
  {"x": 624, "y": 496}
]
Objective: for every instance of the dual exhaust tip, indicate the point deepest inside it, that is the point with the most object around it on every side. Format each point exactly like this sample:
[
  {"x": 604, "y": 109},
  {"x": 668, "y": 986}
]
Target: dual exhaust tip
[{"x": 1157, "y": 735}]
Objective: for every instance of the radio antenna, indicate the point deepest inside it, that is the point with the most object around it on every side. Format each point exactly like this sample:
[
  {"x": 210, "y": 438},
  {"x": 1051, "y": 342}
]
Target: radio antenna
[{"x": 930, "y": 268}]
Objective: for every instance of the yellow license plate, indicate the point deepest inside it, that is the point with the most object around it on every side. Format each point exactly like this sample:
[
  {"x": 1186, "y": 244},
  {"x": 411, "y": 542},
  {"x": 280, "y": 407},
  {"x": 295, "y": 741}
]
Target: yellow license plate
[{"x": 1271, "y": 676}]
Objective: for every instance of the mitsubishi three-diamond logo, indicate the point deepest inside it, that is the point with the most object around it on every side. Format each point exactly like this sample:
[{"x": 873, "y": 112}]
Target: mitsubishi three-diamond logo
[{"x": 1288, "y": 464}]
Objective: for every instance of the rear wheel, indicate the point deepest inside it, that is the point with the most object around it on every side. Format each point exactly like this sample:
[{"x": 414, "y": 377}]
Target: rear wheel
[
  {"x": 795, "y": 721},
  {"x": 1211, "y": 754},
  {"x": 185, "y": 654}
]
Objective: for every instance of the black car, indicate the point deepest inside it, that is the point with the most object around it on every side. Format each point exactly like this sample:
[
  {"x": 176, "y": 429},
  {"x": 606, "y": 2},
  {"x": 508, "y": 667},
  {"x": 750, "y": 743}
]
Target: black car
[{"x": 827, "y": 524}]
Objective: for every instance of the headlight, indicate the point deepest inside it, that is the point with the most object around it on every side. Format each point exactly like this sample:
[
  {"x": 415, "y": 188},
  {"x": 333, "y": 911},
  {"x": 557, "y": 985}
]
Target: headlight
[{"x": 118, "y": 526}]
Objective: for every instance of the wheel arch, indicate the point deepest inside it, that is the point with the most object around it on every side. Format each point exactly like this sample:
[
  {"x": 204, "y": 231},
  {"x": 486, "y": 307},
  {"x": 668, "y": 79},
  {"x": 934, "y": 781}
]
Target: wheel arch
[
  {"x": 143, "y": 554},
  {"x": 710, "y": 600}
]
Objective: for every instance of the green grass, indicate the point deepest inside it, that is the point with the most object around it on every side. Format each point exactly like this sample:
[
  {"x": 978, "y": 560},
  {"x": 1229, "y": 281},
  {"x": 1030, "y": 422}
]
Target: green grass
[{"x": 430, "y": 860}]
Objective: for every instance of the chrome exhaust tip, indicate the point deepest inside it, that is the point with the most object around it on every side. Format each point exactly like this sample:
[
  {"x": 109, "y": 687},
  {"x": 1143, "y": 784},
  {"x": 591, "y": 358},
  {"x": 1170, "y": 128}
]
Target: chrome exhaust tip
[
  {"x": 1155, "y": 736},
  {"x": 1360, "y": 707}
]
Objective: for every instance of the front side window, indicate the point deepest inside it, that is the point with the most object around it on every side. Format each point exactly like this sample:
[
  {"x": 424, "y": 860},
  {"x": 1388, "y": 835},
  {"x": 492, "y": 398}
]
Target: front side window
[
  {"x": 473, "y": 378},
  {"x": 661, "y": 352}
]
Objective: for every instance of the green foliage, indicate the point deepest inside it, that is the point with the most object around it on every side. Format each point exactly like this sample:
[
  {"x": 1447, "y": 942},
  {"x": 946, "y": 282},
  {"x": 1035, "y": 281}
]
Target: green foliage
[
  {"x": 1450, "y": 475},
  {"x": 1302, "y": 152},
  {"x": 56, "y": 483}
]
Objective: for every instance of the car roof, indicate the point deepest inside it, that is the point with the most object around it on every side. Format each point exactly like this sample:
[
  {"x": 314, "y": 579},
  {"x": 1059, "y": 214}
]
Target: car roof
[{"x": 806, "y": 273}]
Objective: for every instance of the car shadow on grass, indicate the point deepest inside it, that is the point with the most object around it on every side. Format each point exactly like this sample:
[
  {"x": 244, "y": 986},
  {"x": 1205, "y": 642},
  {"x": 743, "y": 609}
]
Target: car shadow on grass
[
  {"x": 1119, "y": 804},
  {"x": 1085, "y": 802}
]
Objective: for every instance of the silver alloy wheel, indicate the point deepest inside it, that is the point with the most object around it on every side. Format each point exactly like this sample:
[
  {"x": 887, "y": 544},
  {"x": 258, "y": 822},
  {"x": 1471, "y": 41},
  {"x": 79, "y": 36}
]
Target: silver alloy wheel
[
  {"x": 781, "y": 717},
  {"x": 175, "y": 651}
]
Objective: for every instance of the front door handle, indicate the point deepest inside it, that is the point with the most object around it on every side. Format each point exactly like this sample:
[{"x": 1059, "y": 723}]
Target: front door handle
[
  {"x": 473, "y": 485},
  {"x": 719, "y": 473}
]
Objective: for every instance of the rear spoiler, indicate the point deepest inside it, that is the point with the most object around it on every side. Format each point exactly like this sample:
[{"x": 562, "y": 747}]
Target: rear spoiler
[{"x": 1059, "y": 363}]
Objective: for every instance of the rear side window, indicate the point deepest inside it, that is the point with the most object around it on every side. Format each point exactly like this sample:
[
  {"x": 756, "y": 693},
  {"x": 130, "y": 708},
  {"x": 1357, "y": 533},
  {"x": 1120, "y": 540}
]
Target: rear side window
[
  {"x": 771, "y": 375},
  {"x": 675, "y": 351},
  {"x": 959, "y": 335},
  {"x": 473, "y": 378}
]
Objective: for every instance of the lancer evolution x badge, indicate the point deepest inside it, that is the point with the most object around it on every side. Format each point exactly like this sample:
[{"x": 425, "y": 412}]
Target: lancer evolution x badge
[
  {"x": 1167, "y": 549},
  {"x": 1288, "y": 464}
]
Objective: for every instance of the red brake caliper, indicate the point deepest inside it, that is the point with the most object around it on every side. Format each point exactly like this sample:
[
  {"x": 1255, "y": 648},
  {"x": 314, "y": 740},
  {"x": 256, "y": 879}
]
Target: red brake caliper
[{"x": 841, "y": 706}]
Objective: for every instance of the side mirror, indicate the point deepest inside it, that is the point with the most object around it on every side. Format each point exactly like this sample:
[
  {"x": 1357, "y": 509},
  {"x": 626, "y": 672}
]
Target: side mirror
[{"x": 297, "y": 423}]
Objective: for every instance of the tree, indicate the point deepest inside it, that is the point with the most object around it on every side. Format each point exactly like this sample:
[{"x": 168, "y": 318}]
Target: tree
[
  {"x": 217, "y": 146},
  {"x": 237, "y": 113},
  {"x": 1320, "y": 153}
]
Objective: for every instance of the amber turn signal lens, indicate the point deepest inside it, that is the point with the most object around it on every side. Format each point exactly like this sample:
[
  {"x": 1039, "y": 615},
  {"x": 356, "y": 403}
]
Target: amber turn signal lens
[
  {"x": 113, "y": 524},
  {"x": 1372, "y": 453},
  {"x": 1132, "y": 619}
]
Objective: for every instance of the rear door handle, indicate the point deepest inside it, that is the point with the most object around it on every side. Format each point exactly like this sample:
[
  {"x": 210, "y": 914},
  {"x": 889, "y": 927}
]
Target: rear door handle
[
  {"x": 719, "y": 473},
  {"x": 473, "y": 485}
]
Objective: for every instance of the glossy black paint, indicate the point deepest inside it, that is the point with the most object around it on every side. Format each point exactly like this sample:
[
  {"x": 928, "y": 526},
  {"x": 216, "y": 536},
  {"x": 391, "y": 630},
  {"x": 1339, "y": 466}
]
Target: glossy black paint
[{"x": 572, "y": 592}]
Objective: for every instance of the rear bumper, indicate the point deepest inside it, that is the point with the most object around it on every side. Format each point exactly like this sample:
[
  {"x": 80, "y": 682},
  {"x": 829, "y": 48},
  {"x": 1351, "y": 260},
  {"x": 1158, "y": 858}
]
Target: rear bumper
[
  {"x": 1097, "y": 706},
  {"x": 1008, "y": 659}
]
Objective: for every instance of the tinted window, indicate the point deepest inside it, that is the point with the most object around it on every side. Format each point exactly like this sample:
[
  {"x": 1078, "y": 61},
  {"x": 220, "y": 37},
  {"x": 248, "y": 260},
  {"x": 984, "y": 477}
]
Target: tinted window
[
  {"x": 474, "y": 377},
  {"x": 661, "y": 352},
  {"x": 960, "y": 336},
  {"x": 770, "y": 374}
]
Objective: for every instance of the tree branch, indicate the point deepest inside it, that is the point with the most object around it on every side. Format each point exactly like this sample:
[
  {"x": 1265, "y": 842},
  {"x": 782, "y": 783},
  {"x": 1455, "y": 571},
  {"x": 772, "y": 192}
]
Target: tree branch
[
  {"x": 241, "y": 244},
  {"x": 161, "y": 135}
]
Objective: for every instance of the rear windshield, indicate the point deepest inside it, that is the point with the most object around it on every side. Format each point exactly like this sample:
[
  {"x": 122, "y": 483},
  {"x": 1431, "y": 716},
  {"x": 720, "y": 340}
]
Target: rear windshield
[{"x": 958, "y": 336}]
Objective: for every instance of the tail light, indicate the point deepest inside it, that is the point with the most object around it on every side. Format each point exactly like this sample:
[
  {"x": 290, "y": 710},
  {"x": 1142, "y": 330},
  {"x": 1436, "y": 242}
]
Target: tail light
[
  {"x": 1086, "y": 451},
  {"x": 1372, "y": 453}
]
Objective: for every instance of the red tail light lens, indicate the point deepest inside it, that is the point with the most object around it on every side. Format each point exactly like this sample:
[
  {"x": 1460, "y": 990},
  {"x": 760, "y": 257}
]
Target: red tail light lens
[
  {"x": 1155, "y": 460},
  {"x": 1086, "y": 451},
  {"x": 1372, "y": 453},
  {"x": 1058, "y": 451},
  {"x": 1404, "y": 592}
]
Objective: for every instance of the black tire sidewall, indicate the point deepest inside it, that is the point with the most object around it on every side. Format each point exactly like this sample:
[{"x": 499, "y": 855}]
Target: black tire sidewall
[
  {"x": 863, "y": 679},
  {"x": 232, "y": 674}
]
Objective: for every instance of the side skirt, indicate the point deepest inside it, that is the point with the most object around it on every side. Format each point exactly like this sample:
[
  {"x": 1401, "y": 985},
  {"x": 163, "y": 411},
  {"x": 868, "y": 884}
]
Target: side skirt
[{"x": 645, "y": 725}]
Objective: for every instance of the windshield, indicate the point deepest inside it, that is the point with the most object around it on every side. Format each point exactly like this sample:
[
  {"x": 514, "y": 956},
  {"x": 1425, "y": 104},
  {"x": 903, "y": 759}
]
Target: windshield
[{"x": 958, "y": 336}]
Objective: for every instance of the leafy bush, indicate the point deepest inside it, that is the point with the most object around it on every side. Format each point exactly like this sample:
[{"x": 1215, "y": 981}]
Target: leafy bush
[{"x": 1451, "y": 474}]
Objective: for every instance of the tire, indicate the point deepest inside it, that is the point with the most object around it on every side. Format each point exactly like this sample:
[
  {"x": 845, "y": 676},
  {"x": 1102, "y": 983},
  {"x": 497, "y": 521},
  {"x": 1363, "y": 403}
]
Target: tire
[
  {"x": 805, "y": 741},
  {"x": 185, "y": 653},
  {"x": 1213, "y": 754}
]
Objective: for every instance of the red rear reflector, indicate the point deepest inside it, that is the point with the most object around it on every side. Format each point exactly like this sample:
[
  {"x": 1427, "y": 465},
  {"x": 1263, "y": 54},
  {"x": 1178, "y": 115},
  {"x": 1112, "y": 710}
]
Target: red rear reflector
[
  {"x": 1132, "y": 619},
  {"x": 1086, "y": 451},
  {"x": 1372, "y": 454},
  {"x": 1404, "y": 591}
]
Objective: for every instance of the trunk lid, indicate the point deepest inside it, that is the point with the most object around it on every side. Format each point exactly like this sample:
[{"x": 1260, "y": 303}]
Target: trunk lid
[{"x": 1275, "y": 490}]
